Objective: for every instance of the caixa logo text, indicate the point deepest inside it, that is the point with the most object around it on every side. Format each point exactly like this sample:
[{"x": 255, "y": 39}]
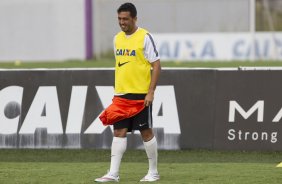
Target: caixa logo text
[
  {"x": 44, "y": 111},
  {"x": 251, "y": 135}
]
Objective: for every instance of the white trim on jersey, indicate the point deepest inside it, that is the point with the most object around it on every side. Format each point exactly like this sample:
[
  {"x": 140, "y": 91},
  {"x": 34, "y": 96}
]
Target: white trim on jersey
[{"x": 150, "y": 50}]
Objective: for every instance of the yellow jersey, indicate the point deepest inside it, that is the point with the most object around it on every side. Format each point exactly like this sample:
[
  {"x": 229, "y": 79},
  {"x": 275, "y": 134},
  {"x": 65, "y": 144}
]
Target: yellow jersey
[{"x": 132, "y": 69}]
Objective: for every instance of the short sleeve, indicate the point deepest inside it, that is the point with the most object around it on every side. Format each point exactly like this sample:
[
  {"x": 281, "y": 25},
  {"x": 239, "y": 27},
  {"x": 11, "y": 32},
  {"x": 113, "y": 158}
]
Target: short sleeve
[{"x": 150, "y": 50}]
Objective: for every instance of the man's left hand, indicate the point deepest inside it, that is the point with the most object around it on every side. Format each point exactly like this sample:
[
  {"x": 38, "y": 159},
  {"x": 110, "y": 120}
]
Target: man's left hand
[{"x": 149, "y": 99}]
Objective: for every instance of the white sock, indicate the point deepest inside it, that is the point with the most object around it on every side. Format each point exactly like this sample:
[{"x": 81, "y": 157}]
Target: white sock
[
  {"x": 118, "y": 148},
  {"x": 151, "y": 148}
]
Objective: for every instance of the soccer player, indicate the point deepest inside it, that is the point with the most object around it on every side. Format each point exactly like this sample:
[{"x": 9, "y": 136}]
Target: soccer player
[{"x": 135, "y": 54}]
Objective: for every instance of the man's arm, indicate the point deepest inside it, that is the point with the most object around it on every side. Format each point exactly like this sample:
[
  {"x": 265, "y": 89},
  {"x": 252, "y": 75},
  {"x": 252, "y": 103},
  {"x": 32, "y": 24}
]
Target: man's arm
[{"x": 154, "y": 79}]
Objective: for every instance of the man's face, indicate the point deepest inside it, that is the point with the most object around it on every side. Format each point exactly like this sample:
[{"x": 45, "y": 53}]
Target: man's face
[{"x": 126, "y": 22}]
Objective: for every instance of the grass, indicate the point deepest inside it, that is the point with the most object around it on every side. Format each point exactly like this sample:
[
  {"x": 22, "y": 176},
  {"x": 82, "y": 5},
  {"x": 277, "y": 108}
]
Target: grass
[
  {"x": 177, "y": 167},
  {"x": 110, "y": 63}
]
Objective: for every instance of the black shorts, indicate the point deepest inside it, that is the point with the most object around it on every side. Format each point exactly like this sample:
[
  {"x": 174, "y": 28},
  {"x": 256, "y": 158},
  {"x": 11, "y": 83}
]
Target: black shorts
[{"x": 143, "y": 120}]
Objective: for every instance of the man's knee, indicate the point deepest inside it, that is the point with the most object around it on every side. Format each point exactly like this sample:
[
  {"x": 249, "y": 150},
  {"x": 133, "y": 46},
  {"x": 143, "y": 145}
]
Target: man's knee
[
  {"x": 120, "y": 132},
  {"x": 147, "y": 134}
]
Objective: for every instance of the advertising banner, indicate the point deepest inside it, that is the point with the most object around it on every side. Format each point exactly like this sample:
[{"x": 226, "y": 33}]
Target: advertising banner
[
  {"x": 219, "y": 46},
  {"x": 248, "y": 110},
  {"x": 192, "y": 109},
  {"x": 60, "y": 109}
]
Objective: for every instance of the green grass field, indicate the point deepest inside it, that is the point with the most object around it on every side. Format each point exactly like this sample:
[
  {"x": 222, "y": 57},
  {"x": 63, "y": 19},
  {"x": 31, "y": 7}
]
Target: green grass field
[
  {"x": 110, "y": 63},
  {"x": 177, "y": 167}
]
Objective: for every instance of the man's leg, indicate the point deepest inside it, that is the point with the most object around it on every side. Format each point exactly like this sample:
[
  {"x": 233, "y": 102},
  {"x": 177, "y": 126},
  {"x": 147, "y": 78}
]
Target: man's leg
[
  {"x": 118, "y": 148},
  {"x": 151, "y": 147}
]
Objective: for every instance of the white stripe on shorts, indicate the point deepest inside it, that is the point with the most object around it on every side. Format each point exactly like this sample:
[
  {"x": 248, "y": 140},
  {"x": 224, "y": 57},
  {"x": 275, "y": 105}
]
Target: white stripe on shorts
[{"x": 150, "y": 117}]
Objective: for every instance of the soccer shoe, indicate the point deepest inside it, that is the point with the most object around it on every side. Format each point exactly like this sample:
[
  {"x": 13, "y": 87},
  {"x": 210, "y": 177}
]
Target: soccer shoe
[
  {"x": 151, "y": 177},
  {"x": 107, "y": 178}
]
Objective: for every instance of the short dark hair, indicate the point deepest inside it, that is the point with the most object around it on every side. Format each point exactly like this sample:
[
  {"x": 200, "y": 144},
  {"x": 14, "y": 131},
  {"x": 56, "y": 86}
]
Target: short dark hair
[{"x": 128, "y": 7}]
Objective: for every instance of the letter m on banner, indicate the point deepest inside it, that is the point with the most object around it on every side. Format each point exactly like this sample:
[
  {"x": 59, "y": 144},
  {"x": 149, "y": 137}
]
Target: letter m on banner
[{"x": 258, "y": 106}]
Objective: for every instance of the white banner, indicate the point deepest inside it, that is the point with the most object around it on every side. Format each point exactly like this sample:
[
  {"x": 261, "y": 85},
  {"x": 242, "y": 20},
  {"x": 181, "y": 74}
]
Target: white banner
[{"x": 219, "y": 46}]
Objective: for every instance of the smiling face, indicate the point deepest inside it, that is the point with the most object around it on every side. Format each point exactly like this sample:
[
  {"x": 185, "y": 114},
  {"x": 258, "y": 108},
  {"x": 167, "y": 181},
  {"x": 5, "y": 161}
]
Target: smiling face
[{"x": 126, "y": 22}]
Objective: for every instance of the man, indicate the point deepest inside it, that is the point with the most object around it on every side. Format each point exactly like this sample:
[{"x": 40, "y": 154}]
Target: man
[{"x": 135, "y": 54}]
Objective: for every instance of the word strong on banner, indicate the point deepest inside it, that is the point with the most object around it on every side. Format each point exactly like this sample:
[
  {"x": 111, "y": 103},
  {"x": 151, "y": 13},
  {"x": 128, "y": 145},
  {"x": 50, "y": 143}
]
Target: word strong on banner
[{"x": 165, "y": 114}]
